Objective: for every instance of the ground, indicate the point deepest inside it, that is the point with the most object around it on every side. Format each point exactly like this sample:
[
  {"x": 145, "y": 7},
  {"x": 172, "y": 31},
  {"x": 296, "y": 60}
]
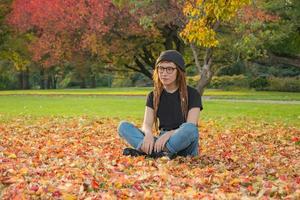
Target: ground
[{"x": 81, "y": 158}]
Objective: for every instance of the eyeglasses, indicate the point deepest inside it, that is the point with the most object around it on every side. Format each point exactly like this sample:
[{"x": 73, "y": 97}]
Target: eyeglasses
[{"x": 169, "y": 70}]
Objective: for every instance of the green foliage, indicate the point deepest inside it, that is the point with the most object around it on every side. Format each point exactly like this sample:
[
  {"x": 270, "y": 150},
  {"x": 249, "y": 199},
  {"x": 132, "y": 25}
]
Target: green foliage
[
  {"x": 282, "y": 71},
  {"x": 104, "y": 80},
  {"x": 122, "y": 82},
  {"x": 222, "y": 82},
  {"x": 235, "y": 69},
  {"x": 250, "y": 47},
  {"x": 146, "y": 22},
  {"x": 287, "y": 84},
  {"x": 284, "y": 84},
  {"x": 193, "y": 80},
  {"x": 8, "y": 78},
  {"x": 227, "y": 82},
  {"x": 288, "y": 46},
  {"x": 65, "y": 81},
  {"x": 275, "y": 30},
  {"x": 259, "y": 83}
]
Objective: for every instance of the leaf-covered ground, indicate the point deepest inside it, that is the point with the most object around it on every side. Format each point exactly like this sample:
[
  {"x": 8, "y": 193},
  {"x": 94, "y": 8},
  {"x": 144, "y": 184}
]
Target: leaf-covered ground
[{"x": 56, "y": 158}]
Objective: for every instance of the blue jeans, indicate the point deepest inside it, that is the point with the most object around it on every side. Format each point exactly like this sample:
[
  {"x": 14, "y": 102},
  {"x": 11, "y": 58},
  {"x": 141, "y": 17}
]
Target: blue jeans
[{"x": 184, "y": 142}]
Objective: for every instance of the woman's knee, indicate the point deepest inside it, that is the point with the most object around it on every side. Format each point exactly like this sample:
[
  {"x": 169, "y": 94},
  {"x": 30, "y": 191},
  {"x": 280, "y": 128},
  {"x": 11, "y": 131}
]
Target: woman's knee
[
  {"x": 191, "y": 129},
  {"x": 123, "y": 127}
]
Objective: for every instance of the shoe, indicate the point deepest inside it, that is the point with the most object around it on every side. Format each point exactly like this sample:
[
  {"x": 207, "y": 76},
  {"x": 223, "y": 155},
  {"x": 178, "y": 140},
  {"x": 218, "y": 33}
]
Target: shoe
[
  {"x": 157, "y": 155},
  {"x": 133, "y": 152},
  {"x": 172, "y": 155}
]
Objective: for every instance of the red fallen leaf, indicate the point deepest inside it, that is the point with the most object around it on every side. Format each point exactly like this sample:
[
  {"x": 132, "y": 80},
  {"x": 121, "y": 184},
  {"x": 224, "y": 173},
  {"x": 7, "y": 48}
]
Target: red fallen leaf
[
  {"x": 11, "y": 180},
  {"x": 268, "y": 184},
  {"x": 250, "y": 188},
  {"x": 210, "y": 170},
  {"x": 94, "y": 184},
  {"x": 227, "y": 154},
  {"x": 137, "y": 187},
  {"x": 34, "y": 188},
  {"x": 298, "y": 180},
  {"x": 245, "y": 182},
  {"x": 295, "y": 139},
  {"x": 3, "y": 160},
  {"x": 19, "y": 197},
  {"x": 287, "y": 188},
  {"x": 283, "y": 177},
  {"x": 56, "y": 193}
]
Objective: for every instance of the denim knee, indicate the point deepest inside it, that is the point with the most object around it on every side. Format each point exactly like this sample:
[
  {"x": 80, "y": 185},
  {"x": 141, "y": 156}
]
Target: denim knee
[
  {"x": 123, "y": 126},
  {"x": 191, "y": 128}
]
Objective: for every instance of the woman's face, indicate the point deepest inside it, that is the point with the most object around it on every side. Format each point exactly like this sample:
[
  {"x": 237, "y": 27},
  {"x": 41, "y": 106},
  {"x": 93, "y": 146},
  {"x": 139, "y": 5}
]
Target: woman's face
[{"x": 167, "y": 73}]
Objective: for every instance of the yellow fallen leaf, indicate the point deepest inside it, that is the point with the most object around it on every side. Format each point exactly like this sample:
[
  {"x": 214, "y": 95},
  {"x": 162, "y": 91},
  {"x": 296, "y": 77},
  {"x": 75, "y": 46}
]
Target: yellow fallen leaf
[
  {"x": 235, "y": 181},
  {"x": 24, "y": 171},
  {"x": 67, "y": 196},
  {"x": 12, "y": 155}
]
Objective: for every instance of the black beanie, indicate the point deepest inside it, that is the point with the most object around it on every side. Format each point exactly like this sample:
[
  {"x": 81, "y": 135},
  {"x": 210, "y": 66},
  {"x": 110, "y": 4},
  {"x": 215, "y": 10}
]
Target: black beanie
[{"x": 172, "y": 56}]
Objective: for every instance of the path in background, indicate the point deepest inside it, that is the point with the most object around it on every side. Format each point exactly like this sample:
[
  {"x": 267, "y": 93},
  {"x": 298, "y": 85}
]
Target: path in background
[{"x": 253, "y": 100}]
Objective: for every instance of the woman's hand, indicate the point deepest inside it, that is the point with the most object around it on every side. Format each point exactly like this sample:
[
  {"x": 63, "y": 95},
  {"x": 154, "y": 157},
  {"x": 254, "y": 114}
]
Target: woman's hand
[
  {"x": 148, "y": 143},
  {"x": 162, "y": 140}
]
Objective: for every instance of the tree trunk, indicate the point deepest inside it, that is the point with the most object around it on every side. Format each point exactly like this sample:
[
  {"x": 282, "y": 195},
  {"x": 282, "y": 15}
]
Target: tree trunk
[
  {"x": 93, "y": 81},
  {"x": 82, "y": 84},
  {"x": 42, "y": 79},
  {"x": 204, "y": 71},
  {"x": 26, "y": 79},
  {"x": 54, "y": 81},
  {"x": 21, "y": 82}
]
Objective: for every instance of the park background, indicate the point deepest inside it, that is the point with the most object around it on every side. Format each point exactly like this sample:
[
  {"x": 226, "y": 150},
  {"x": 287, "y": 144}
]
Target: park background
[{"x": 71, "y": 70}]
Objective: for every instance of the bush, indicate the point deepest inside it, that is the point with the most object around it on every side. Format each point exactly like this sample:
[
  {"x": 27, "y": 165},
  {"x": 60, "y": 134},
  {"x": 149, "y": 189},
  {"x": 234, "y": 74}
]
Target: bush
[
  {"x": 121, "y": 82},
  {"x": 8, "y": 77},
  {"x": 193, "y": 80},
  {"x": 284, "y": 84},
  {"x": 65, "y": 82},
  {"x": 227, "y": 82},
  {"x": 287, "y": 84},
  {"x": 222, "y": 82},
  {"x": 235, "y": 69},
  {"x": 259, "y": 83}
]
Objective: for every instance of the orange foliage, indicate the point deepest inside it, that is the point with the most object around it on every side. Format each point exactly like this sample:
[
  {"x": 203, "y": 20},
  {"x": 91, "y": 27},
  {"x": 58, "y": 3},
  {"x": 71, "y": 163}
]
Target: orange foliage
[{"x": 56, "y": 158}]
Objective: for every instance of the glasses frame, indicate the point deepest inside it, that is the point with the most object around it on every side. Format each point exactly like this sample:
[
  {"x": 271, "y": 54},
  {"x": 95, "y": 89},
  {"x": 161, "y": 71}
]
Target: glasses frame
[{"x": 169, "y": 70}]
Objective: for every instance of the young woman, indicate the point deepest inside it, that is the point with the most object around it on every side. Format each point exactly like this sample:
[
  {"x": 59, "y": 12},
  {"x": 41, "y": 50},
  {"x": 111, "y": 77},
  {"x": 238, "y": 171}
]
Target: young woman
[{"x": 175, "y": 105}]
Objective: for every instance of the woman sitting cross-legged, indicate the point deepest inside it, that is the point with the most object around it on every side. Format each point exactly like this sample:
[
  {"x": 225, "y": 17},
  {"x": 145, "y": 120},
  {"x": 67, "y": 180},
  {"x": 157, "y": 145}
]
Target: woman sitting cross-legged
[{"x": 173, "y": 107}]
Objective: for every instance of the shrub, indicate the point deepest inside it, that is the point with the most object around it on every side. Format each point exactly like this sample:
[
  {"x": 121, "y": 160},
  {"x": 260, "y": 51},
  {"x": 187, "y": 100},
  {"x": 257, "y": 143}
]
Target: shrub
[
  {"x": 193, "y": 80},
  {"x": 287, "y": 84},
  {"x": 121, "y": 82},
  {"x": 222, "y": 82},
  {"x": 227, "y": 82},
  {"x": 259, "y": 83}
]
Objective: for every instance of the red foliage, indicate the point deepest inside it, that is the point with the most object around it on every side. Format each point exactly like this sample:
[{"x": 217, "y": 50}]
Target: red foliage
[
  {"x": 61, "y": 26},
  {"x": 250, "y": 14}
]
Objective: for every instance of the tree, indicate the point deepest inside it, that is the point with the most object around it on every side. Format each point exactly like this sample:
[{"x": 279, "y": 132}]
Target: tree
[
  {"x": 64, "y": 30},
  {"x": 266, "y": 34},
  {"x": 205, "y": 17},
  {"x": 143, "y": 29},
  {"x": 13, "y": 47}
]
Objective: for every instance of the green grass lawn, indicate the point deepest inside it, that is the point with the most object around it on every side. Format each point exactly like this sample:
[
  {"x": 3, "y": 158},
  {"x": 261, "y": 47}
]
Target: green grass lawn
[
  {"x": 132, "y": 107},
  {"x": 142, "y": 91}
]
